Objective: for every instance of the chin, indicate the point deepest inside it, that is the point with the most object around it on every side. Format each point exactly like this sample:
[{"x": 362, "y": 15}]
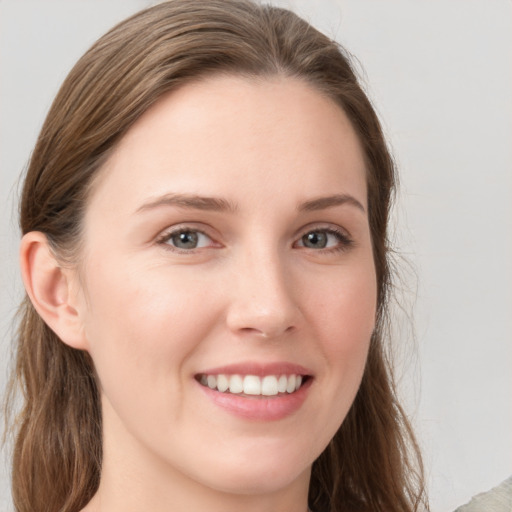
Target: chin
[
  {"x": 265, "y": 472},
  {"x": 246, "y": 481}
]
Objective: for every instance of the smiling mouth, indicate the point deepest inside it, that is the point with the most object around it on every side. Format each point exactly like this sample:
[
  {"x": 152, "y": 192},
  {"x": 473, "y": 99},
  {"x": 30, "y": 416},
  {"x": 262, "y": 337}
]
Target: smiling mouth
[{"x": 253, "y": 385}]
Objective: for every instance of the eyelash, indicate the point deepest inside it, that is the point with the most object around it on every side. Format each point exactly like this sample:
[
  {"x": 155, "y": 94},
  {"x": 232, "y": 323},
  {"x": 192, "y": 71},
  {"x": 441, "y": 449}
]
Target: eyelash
[
  {"x": 168, "y": 235},
  {"x": 345, "y": 242}
]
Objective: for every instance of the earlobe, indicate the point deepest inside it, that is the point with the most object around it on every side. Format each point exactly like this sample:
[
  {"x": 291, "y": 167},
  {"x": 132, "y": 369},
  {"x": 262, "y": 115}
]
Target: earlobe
[{"x": 49, "y": 287}]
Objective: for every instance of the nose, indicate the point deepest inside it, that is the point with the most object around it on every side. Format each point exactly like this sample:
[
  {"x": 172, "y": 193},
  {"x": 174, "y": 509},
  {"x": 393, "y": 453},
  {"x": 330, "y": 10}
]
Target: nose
[{"x": 263, "y": 300}]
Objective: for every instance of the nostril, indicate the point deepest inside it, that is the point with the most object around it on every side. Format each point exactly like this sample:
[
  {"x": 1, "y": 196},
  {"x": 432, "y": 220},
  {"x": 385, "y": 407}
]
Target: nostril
[{"x": 266, "y": 332}]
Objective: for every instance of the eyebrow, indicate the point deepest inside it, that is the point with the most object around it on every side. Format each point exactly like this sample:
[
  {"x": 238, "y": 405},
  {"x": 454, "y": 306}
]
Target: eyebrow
[
  {"x": 218, "y": 204},
  {"x": 329, "y": 202},
  {"x": 190, "y": 201}
]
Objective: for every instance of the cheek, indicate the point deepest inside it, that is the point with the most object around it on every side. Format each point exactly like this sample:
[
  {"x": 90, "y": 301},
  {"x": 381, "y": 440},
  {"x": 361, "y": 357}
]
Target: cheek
[
  {"x": 346, "y": 309},
  {"x": 144, "y": 328},
  {"x": 341, "y": 313},
  {"x": 144, "y": 322},
  {"x": 345, "y": 321}
]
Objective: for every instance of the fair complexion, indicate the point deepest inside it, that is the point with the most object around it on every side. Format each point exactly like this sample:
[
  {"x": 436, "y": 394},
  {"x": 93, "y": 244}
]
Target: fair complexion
[{"x": 226, "y": 235}]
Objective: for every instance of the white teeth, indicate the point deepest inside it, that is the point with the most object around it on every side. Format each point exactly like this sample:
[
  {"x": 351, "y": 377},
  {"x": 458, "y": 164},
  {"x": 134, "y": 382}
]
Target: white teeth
[
  {"x": 252, "y": 385},
  {"x": 270, "y": 385},
  {"x": 290, "y": 387},
  {"x": 222, "y": 383},
  {"x": 282, "y": 383},
  {"x": 236, "y": 384},
  {"x": 211, "y": 381}
]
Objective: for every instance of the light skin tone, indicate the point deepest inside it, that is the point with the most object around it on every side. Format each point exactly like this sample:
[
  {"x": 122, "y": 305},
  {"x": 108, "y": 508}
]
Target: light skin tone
[{"x": 229, "y": 227}]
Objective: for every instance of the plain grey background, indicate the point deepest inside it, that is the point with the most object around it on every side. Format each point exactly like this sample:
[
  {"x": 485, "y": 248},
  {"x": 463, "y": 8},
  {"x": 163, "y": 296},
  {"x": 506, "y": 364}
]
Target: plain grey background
[{"x": 440, "y": 75}]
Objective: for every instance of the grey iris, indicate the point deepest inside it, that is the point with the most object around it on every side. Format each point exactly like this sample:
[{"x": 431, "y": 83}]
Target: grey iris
[
  {"x": 315, "y": 240},
  {"x": 185, "y": 240}
]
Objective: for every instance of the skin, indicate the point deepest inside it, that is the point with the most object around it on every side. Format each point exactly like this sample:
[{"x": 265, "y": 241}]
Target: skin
[{"x": 153, "y": 317}]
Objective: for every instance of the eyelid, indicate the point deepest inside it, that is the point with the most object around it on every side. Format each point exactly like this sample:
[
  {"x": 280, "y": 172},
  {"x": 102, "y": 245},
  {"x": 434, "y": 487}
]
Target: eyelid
[
  {"x": 164, "y": 236},
  {"x": 345, "y": 239}
]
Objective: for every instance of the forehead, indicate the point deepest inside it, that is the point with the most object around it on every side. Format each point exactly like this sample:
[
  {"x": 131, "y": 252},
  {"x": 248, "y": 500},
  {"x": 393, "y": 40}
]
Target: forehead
[{"x": 229, "y": 135}]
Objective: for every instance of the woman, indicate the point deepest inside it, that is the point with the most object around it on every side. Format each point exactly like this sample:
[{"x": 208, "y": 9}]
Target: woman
[{"x": 205, "y": 258}]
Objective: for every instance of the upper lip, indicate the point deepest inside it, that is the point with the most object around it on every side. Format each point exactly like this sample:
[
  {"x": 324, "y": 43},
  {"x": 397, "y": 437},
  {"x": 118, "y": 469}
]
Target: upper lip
[{"x": 259, "y": 369}]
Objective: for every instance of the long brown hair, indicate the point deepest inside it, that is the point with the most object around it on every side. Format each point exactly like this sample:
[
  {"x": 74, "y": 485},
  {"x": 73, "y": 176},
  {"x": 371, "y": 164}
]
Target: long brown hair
[{"x": 373, "y": 462}]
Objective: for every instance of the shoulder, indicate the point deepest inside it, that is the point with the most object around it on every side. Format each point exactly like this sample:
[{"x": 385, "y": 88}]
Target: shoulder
[{"x": 498, "y": 499}]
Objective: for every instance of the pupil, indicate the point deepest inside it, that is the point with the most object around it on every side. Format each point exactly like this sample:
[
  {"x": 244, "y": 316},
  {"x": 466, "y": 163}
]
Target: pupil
[
  {"x": 185, "y": 240},
  {"x": 315, "y": 239}
]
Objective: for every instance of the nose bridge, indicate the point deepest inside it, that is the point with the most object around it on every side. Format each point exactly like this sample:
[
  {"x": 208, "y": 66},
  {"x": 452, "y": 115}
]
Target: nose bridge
[{"x": 262, "y": 300}]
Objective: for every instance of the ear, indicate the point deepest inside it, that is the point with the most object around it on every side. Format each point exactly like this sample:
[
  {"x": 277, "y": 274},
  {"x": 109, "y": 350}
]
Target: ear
[{"x": 50, "y": 288}]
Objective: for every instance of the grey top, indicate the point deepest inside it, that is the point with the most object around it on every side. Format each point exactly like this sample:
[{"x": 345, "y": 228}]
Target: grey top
[{"x": 498, "y": 499}]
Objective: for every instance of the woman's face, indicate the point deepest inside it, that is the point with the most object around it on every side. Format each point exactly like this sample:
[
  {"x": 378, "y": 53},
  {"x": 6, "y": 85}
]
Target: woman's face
[{"x": 227, "y": 247}]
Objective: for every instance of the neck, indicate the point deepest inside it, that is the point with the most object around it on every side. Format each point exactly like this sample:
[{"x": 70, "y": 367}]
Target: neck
[{"x": 122, "y": 493}]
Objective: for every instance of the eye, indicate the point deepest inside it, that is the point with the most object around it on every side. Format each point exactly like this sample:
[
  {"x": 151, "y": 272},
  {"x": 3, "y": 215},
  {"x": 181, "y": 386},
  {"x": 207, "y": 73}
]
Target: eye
[
  {"x": 324, "y": 239},
  {"x": 186, "y": 239}
]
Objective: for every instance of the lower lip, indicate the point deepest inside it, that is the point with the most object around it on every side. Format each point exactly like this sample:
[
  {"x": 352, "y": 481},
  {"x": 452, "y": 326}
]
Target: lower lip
[{"x": 259, "y": 408}]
